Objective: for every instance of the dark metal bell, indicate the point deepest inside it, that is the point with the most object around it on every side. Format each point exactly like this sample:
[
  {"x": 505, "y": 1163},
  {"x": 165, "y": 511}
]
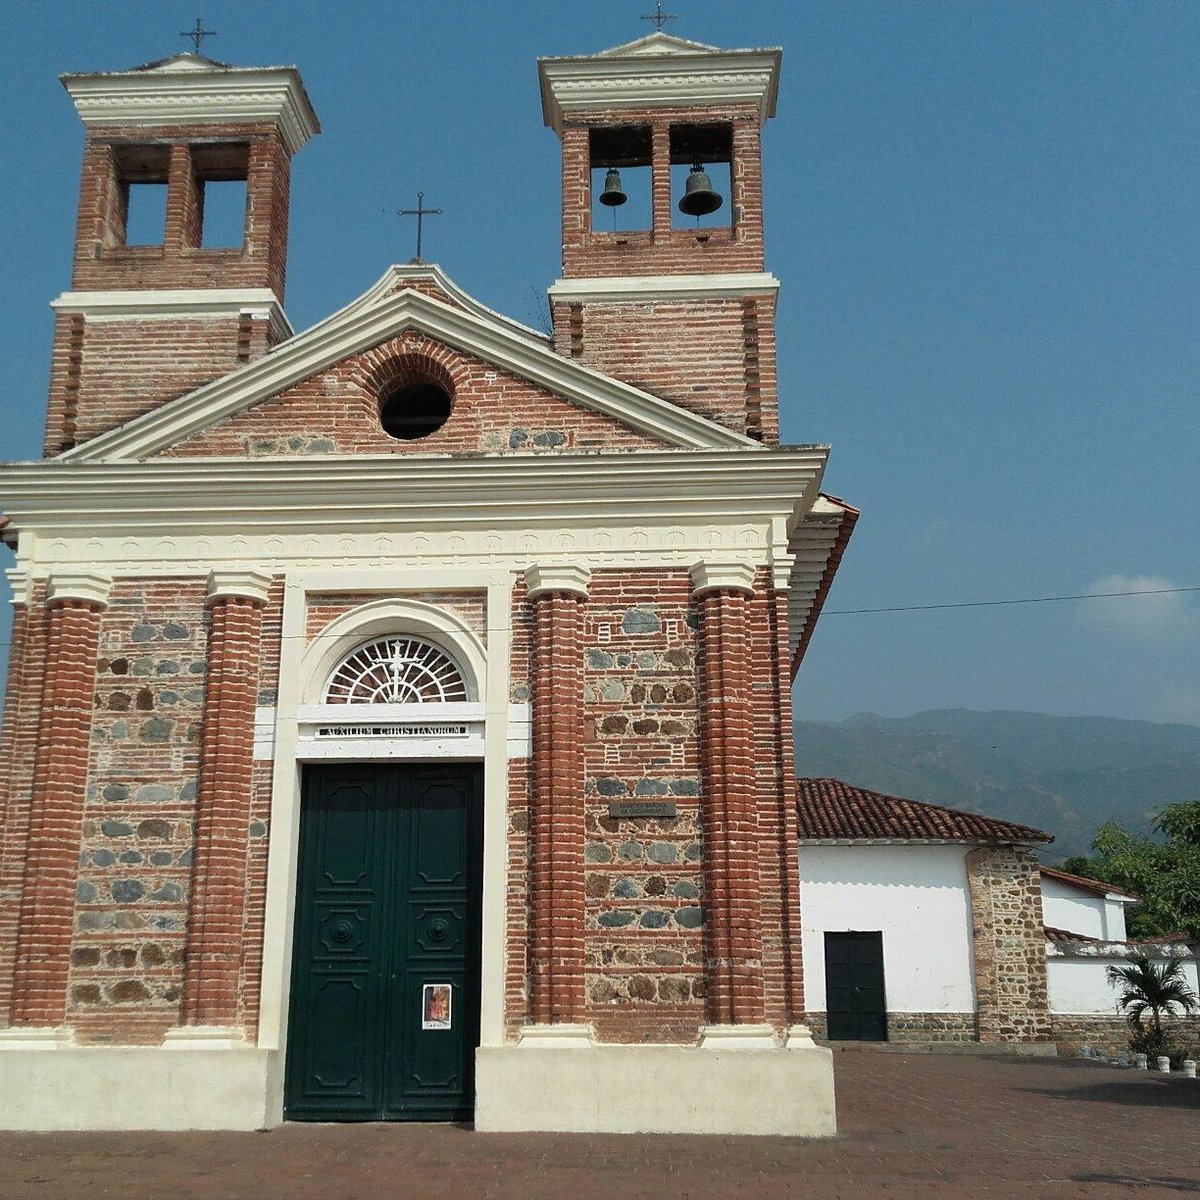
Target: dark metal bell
[
  {"x": 612, "y": 194},
  {"x": 699, "y": 198}
]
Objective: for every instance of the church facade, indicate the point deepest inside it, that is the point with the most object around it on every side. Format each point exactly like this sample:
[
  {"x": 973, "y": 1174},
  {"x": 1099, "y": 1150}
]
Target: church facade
[{"x": 398, "y": 720}]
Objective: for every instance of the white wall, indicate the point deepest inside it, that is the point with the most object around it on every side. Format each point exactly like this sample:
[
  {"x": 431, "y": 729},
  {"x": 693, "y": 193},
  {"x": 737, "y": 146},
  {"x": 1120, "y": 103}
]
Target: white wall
[
  {"x": 1078, "y": 984},
  {"x": 1071, "y": 908},
  {"x": 917, "y": 896}
]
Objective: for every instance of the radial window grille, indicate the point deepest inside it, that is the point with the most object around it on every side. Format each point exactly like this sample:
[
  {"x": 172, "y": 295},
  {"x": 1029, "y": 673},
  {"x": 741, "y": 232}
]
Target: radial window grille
[{"x": 397, "y": 670}]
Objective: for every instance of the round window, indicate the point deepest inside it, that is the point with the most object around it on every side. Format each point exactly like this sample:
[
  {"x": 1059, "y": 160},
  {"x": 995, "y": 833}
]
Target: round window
[{"x": 414, "y": 410}]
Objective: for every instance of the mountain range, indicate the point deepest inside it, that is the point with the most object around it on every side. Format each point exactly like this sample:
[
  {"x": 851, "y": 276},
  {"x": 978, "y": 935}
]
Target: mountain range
[{"x": 1066, "y": 775}]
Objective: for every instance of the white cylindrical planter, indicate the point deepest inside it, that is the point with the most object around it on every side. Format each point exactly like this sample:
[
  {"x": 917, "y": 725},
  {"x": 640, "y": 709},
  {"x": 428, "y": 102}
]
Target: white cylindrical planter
[
  {"x": 1164, "y": 1064},
  {"x": 1141, "y": 1062},
  {"x": 1189, "y": 1068}
]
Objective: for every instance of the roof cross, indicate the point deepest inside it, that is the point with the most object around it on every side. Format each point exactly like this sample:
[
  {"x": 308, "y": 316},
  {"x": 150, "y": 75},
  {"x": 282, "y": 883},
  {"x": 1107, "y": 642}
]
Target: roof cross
[
  {"x": 198, "y": 34},
  {"x": 420, "y": 212},
  {"x": 659, "y": 17}
]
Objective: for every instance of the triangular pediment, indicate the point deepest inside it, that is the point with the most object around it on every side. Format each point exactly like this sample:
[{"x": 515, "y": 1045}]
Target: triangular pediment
[
  {"x": 658, "y": 43},
  {"x": 417, "y": 298}
]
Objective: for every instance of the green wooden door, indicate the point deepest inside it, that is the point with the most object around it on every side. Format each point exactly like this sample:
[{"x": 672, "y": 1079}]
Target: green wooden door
[
  {"x": 384, "y": 1016},
  {"x": 856, "y": 1007}
]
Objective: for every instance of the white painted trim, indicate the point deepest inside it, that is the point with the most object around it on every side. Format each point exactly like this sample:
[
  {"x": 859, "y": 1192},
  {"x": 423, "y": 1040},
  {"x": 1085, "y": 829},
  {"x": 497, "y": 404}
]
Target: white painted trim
[
  {"x": 556, "y": 1037},
  {"x": 144, "y": 304},
  {"x": 196, "y": 92},
  {"x": 246, "y": 585},
  {"x": 629, "y": 77},
  {"x": 23, "y": 1038},
  {"x": 738, "y": 1037},
  {"x": 563, "y": 577},
  {"x": 645, "y": 288},
  {"x": 301, "y": 675},
  {"x": 378, "y": 618},
  {"x": 204, "y": 1037},
  {"x": 722, "y": 576},
  {"x": 89, "y": 586},
  {"x": 358, "y": 328}
]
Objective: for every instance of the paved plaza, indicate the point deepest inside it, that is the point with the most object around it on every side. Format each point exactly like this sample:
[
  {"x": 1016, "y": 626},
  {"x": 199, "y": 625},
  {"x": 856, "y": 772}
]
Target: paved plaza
[{"x": 912, "y": 1126}]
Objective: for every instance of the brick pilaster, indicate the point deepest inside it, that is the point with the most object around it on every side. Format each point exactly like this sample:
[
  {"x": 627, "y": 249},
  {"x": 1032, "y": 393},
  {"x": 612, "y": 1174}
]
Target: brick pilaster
[
  {"x": 557, "y": 898},
  {"x": 59, "y": 791},
  {"x": 213, "y": 959},
  {"x": 733, "y": 903}
]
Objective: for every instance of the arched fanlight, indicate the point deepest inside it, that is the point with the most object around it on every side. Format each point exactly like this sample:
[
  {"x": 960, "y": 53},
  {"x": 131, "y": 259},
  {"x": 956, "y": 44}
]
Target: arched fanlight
[{"x": 397, "y": 670}]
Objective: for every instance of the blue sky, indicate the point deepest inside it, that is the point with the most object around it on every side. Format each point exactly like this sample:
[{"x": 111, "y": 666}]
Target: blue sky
[{"x": 984, "y": 218}]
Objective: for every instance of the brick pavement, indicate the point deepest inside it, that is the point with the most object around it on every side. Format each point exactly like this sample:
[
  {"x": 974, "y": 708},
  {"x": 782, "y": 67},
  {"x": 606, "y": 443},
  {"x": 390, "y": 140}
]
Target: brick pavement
[{"x": 912, "y": 1126}]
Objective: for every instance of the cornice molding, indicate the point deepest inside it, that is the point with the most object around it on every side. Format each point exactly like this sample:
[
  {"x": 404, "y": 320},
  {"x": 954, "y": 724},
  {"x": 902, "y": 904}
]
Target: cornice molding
[
  {"x": 360, "y": 326},
  {"x": 178, "y": 302},
  {"x": 697, "y": 78},
  {"x": 617, "y": 288},
  {"x": 722, "y": 577},
  {"x": 545, "y": 578},
  {"x": 178, "y": 497},
  {"x": 88, "y": 586},
  {"x": 178, "y": 92},
  {"x": 234, "y": 584}
]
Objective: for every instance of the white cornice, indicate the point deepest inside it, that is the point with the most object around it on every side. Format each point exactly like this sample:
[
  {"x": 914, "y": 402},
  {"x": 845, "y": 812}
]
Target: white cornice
[
  {"x": 658, "y": 78},
  {"x": 564, "y": 577},
  {"x": 722, "y": 577},
  {"x": 234, "y": 584},
  {"x": 178, "y": 302},
  {"x": 364, "y": 324},
  {"x": 385, "y": 494},
  {"x": 196, "y": 92},
  {"x": 88, "y": 586},
  {"x": 720, "y": 285}
]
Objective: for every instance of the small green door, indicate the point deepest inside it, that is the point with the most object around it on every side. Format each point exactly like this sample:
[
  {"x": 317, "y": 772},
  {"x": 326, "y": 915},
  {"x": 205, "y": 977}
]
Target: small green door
[
  {"x": 384, "y": 1016},
  {"x": 856, "y": 1008}
]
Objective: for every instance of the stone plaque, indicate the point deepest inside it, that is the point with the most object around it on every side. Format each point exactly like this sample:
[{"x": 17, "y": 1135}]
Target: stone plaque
[{"x": 641, "y": 808}]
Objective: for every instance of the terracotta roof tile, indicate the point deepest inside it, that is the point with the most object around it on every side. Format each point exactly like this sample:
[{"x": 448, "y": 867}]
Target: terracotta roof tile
[
  {"x": 1096, "y": 886},
  {"x": 832, "y": 810},
  {"x": 1065, "y": 935}
]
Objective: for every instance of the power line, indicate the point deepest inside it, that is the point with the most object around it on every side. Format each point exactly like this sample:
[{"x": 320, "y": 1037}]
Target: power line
[{"x": 847, "y": 612}]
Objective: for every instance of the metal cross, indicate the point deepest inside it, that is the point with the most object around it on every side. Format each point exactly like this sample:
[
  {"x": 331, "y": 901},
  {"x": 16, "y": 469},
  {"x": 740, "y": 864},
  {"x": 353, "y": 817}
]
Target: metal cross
[
  {"x": 198, "y": 34},
  {"x": 420, "y": 212},
  {"x": 659, "y": 17}
]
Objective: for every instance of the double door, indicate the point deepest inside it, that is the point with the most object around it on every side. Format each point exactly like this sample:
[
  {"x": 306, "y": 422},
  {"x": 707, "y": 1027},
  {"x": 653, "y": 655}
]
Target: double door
[
  {"x": 384, "y": 1014},
  {"x": 856, "y": 1006}
]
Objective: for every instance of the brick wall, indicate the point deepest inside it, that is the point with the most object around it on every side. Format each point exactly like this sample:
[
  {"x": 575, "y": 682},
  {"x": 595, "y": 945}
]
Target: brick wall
[
  {"x": 337, "y": 411},
  {"x": 916, "y": 1028},
  {"x": 712, "y": 357},
  {"x": 105, "y": 373},
  {"x": 1010, "y": 944}
]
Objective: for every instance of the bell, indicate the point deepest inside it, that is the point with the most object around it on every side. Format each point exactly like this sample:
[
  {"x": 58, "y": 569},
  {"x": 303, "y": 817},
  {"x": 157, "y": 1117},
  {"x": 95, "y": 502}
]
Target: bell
[
  {"x": 612, "y": 194},
  {"x": 699, "y": 198}
]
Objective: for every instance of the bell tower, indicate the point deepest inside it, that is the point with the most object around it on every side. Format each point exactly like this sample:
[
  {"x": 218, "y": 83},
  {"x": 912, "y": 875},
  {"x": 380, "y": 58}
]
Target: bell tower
[
  {"x": 159, "y": 305},
  {"x": 676, "y": 299}
]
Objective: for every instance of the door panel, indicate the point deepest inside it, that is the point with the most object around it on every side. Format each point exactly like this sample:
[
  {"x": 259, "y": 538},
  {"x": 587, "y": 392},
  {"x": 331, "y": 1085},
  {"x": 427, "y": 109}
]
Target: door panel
[
  {"x": 387, "y": 904},
  {"x": 855, "y": 1000}
]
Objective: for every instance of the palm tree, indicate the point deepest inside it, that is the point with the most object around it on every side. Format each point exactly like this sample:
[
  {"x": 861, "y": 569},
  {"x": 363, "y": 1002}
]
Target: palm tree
[{"x": 1154, "y": 988}]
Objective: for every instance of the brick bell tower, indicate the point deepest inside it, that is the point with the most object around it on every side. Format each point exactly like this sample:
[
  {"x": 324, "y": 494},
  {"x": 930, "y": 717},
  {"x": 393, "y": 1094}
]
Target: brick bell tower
[
  {"x": 156, "y": 309},
  {"x": 678, "y": 306}
]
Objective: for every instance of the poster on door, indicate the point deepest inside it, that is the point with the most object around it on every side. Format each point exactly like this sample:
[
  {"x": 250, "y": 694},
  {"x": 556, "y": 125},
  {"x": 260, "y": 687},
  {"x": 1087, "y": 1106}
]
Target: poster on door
[{"x": 436, "y": 1000}]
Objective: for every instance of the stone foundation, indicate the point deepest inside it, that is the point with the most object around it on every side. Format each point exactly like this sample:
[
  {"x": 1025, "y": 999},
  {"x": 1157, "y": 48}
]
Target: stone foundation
[
  {"x": 1111, "y": 1033},
  {"x": 917, "y": 1028}
]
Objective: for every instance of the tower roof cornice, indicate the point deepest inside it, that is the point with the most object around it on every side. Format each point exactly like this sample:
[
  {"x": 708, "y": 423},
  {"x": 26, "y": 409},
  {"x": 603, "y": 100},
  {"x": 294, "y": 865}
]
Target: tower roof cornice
[
  {"x": 189, "y": 89},
  {"x": 658, "y": 71}
]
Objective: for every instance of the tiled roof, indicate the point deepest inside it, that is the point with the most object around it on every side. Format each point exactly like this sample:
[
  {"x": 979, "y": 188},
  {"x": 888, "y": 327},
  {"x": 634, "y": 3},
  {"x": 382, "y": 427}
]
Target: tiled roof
[
  {"x": 1065, "y": 935},
  {"x": 831, "y": 810},
  {"x": 1167, "y": 939},
  {"x": 1096, "y": 886}
]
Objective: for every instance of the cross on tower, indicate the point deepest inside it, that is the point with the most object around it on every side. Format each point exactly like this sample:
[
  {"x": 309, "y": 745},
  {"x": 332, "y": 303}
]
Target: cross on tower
[
  {"x": 420, "y": 212},
  {"x": 659, "y": 17},
  {"x": 198, "y": 34}
]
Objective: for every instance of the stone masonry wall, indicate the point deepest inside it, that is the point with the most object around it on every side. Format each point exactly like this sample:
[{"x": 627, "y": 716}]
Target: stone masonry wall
[
  {"x": 136, "y": 848},
  {"x": 1010, "y": 944},
  {"x": 916, "y": 1028}
]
